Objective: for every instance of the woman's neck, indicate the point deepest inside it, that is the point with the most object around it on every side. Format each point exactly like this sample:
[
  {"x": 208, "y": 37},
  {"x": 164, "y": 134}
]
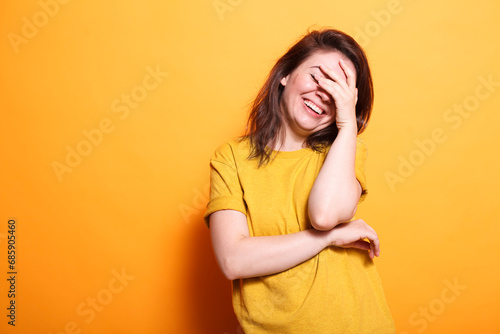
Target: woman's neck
[{"x": 290, "y": 143}]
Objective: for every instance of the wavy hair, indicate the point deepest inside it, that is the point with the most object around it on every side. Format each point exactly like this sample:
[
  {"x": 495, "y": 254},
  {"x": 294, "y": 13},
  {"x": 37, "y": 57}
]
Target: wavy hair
[{"x": 265, "y": 124}]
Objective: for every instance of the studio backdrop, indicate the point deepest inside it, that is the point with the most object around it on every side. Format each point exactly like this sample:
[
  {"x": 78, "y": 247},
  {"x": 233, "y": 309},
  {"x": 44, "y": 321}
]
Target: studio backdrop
[{"x": 111, "y": 110}]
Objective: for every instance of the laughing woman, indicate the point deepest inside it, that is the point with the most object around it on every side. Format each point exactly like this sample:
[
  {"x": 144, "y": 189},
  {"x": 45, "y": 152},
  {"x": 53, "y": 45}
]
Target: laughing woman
[{"x": 283, "y": 197}]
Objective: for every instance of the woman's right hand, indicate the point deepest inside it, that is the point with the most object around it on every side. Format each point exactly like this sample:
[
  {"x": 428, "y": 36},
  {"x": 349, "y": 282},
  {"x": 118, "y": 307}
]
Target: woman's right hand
[{"x": 353, "y": 234}]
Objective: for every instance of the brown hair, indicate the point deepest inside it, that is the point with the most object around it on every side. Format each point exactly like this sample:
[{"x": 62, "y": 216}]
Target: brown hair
[{"x": 265, "y": 122}]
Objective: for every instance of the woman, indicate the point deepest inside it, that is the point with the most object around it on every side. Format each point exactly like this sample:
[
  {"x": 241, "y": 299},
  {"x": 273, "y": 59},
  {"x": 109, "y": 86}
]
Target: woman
[{"x": 283, "y": 198}]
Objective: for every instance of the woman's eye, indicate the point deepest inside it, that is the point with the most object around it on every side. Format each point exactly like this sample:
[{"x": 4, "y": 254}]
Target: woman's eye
[{"x": 314, "y": 79}]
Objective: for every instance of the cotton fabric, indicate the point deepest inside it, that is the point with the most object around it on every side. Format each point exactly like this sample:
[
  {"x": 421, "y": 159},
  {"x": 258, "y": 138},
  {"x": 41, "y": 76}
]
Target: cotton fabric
[{"x": 336, "y": 291}]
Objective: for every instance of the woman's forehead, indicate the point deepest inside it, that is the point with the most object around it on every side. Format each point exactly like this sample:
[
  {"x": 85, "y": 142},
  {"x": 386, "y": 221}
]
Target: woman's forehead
[{"x": 328, "y": 58}]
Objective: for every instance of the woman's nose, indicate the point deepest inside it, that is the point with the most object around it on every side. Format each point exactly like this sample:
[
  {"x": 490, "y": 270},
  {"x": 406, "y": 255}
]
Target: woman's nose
[{"x": 323, "y": 95}]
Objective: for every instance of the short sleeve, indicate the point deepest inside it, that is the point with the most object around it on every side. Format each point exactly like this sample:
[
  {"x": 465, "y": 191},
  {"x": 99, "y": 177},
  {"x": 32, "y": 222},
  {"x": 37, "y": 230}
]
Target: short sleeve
[
  {"x": 225, "y": 188},
  {"x": 361, "y": 153}
]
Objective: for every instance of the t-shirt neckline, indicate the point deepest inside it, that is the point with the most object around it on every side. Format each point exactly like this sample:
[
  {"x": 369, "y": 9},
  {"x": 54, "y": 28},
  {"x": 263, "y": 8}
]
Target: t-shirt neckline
[{"x": 292, "y": 154}]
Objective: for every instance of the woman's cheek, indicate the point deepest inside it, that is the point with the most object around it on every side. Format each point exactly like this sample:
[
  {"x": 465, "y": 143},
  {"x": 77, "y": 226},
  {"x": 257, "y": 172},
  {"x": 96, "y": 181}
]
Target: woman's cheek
[{"x": 308, "y": 84}]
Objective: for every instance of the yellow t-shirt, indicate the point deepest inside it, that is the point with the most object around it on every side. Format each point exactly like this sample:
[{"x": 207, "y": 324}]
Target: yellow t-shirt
[{"x": 336, "y": 291}]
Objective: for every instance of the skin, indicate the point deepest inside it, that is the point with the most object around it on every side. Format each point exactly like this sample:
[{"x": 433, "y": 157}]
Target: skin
[
  {"x": 335, "y": 193},
  {"x": 328, "y": 80},
  {"x": 315, "y": 80}
]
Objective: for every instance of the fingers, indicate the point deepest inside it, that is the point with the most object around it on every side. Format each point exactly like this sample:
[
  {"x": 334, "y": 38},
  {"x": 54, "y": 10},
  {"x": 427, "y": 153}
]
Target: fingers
[
  {"x": 376, "y": 247},
  {"x": 337, "y": 91},
  {"x": 372, "y": 250},
  {"x": 348, "y": 80},
  {"x": 363, "y": 237},
  {"x": 332, "y": 81},
  {"x": 374, "y": 241},
  {"x": 341, "y": 86},
  {"x": 360, "y": 244},
  {"x": 349, "y": 73},
  {"x": 364, "y": 245}
]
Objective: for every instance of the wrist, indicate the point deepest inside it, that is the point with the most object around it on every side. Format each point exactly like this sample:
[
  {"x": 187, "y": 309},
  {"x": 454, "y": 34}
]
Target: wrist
[
  {"x": 321, "y": 237},
  {"x": 330, "y": 237},
  {"x": 348, "y": 130}
]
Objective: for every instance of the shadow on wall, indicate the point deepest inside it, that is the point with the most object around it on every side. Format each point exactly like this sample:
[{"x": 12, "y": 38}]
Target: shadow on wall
[{"x": 208, "y": 291}]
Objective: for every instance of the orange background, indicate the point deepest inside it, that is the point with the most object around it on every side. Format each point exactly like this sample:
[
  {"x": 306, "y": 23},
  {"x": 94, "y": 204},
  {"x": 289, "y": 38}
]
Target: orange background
[{"x": 113, "y": 241}]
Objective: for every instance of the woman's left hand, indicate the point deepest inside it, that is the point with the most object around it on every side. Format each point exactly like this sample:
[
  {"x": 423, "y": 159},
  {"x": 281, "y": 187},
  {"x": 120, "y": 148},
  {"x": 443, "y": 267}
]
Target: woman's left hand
[{"x": 343, "y": 91}]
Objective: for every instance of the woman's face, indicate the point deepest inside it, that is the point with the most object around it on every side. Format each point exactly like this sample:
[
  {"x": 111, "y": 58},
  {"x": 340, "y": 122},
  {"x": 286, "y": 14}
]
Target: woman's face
[{"x": 307, "y": 107}]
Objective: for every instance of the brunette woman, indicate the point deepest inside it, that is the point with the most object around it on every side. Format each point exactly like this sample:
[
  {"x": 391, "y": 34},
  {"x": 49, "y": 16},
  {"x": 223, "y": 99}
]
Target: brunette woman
[{"x": 283, "y": 198}]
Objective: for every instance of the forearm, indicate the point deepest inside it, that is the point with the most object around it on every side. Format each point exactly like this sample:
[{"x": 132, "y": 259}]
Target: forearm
[
  {"x": 241, "y": 256},
  {"x": 265, "y": 255},
  {"x": 335, "y": 193}
]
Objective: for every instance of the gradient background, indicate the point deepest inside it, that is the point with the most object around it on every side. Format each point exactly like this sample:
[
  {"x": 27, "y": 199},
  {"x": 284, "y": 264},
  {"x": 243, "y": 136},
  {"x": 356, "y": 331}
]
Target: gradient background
[{"x": 134, "y": 202}]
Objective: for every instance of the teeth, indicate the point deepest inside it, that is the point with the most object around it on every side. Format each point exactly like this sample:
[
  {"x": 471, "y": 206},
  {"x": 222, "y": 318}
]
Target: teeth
[{"x": 313, "y": 107}]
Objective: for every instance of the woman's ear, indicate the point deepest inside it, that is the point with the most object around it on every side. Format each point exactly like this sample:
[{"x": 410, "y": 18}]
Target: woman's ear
[{"x": 284, "y": 80}]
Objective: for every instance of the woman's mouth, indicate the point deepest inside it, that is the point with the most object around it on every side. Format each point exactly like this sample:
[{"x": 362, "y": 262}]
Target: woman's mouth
[{"x": 313, "y": 107}]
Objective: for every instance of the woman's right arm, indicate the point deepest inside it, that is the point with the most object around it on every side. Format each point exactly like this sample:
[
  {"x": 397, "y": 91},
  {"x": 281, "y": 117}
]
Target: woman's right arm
[{"x": 242, "y": 256}]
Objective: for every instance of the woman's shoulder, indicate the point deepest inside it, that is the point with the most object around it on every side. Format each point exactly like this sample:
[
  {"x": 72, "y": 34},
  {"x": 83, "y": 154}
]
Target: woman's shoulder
[
  {"x": 360, "y": 145},
  {"x": 232, "y": 150}
]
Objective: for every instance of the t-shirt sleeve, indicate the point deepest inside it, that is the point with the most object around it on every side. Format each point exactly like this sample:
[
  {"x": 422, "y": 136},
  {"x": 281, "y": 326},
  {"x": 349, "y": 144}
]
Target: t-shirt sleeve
[
  {"x": 225, "y": 187},
  {"x": 361, "y": 153}
]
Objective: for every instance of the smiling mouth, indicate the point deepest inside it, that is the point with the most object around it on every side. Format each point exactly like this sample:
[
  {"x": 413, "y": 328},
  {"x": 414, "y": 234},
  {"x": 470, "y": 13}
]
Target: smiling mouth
[{"x": 313, "y": 107}]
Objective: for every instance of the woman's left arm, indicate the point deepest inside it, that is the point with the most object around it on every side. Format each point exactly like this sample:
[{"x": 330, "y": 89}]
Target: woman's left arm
[{"x": 336, "y": 192}]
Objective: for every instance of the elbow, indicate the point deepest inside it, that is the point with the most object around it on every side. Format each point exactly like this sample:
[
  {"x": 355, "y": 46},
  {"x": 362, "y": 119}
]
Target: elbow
[
  {"x": 326, "y": 220},
  {"x": 230, "y": 274},
  {"x": 324, "y": 224},
  {"x": 229, "y": 269}
]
